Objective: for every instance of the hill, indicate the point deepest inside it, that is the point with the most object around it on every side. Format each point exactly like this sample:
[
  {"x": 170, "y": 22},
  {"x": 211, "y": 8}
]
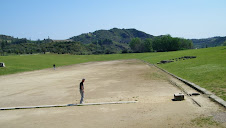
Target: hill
[
  {"x": 99, "y": 42},
  {"x": 208, "y": 42},
  {"x": 118, "y": 41},
  {"x": 5, "y": 37},
  {"x": 105, "y": 42},
  {"x": 116, "y": 35},
  {"x": 124, "y": 36}
]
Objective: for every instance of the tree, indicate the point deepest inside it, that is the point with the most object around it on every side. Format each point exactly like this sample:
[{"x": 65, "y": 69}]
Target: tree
[
  {"x": 125, "y": 51},
  {"x": 148, "y": 45},
  {"x": 43, "y": 49},
  {"x": 174, "y": 44},
  {"x": 109, "y": 51},
  {"x": 224, "y": 44},
  {"x": 185, "y": 44},
  {"x": 3, "y": 45},
  {"x": 168, "y": 43},
  {"x": 136, "y": 45}
]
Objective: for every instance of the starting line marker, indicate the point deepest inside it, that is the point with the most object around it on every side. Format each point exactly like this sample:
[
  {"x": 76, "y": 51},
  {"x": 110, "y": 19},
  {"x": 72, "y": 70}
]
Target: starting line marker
[{"x": 66, "y": 105}]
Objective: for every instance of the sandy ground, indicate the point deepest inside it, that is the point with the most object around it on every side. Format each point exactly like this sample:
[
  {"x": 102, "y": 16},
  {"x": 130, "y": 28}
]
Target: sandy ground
[{"x": 125, "y": 80}]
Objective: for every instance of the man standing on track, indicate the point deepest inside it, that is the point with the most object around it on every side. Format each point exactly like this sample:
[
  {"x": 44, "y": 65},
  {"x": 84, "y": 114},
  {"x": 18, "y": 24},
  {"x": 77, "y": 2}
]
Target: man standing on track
[{"x": 82, "y": 90}]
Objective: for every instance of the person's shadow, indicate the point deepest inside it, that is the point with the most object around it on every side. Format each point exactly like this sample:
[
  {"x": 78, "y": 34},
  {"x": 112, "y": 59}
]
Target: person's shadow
[{"x": 71, "y": 104}]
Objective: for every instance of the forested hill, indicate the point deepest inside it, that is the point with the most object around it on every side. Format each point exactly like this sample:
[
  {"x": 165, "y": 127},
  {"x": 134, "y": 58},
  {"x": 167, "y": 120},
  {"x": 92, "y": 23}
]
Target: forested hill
[
  {"x": 115, "y": 35},
  {"x": 126, "y": 35},
  {"x": 105, "y": 42},
  {"x": 208, "y": 42},
  {"x": 4, "y": 37}
]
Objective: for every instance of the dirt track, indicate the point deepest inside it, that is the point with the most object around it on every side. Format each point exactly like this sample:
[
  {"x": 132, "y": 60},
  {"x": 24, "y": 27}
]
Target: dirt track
[{"x": 126, "y": 80}]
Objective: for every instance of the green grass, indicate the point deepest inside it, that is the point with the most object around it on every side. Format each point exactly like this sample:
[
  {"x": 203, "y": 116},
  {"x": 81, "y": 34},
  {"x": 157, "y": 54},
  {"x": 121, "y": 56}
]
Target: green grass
[
  {"x": 15, "y": 64},
  {"x": 208, "y": 70}
]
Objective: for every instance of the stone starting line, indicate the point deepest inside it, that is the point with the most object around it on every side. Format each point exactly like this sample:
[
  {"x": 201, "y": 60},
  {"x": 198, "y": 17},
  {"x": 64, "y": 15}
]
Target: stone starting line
[{"x": 67, "y": 105}]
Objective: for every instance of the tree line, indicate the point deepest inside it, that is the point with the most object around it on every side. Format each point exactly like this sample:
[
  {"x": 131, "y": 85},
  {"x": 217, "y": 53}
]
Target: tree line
[
  {"x": 104, "y": 46},
  {"x": 160, "y": 44},
  {"x": 63, "y": 47}
]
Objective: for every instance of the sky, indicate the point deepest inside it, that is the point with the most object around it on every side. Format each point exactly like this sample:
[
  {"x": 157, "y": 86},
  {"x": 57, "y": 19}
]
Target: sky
[{"x": 62, "y": 19}]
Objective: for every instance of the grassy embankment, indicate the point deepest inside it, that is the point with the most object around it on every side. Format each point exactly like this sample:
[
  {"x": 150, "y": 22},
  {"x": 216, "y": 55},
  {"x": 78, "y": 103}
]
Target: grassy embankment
[{"x": 208, "y": 70}]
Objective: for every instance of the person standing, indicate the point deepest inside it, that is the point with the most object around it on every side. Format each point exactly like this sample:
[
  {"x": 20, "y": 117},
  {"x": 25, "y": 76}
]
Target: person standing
[
  {"x": 82, "y": 90},
  {"x": 54, "y": 66}
]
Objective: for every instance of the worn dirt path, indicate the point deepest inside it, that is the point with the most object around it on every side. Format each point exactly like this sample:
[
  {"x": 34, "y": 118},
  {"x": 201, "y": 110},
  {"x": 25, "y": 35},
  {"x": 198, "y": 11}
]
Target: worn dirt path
[{"x": 124, "y": 80}]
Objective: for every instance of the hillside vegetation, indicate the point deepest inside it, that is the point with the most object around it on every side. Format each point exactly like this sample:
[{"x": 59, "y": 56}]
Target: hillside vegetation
[
  {"x": 99, "y": 42},
  {"x": 105, "y": 42},
  {"x": 209, "y": 42},
  {"x": 116, "y": 35},
  {"x": 207, "y": 70}
]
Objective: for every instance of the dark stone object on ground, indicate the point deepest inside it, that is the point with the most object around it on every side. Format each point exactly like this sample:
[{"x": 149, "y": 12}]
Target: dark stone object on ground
[
  {"x": 2, "y": 64},
  {"x": 189, "y": 57},
  {"x": 195, "y": 94},
  {"x": 178, "y": 96},
  {"x": 166, "y": 61},
  {"x": 180, "y": 58}
]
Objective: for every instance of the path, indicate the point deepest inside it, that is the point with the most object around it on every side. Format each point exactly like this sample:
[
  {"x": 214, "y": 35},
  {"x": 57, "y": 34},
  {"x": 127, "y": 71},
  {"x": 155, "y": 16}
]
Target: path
[{"x": 111, "y": 81}]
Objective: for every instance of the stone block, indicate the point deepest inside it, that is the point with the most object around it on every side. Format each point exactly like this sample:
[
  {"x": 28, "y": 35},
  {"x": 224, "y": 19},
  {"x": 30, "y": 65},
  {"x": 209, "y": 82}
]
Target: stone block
[{"x": 178, "y": 96}]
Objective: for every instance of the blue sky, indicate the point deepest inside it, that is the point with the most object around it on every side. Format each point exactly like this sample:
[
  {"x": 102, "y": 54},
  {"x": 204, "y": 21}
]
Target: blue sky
[{"x": 61, "y": 19}]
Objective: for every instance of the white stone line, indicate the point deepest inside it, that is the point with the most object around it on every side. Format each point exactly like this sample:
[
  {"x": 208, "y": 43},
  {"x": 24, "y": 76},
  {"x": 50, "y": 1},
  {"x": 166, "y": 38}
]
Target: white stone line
[{"x": 66, "y": 105}]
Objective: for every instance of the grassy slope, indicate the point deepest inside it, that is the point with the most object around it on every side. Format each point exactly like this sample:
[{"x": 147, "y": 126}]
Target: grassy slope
[{"x": 208, "y": 70}]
